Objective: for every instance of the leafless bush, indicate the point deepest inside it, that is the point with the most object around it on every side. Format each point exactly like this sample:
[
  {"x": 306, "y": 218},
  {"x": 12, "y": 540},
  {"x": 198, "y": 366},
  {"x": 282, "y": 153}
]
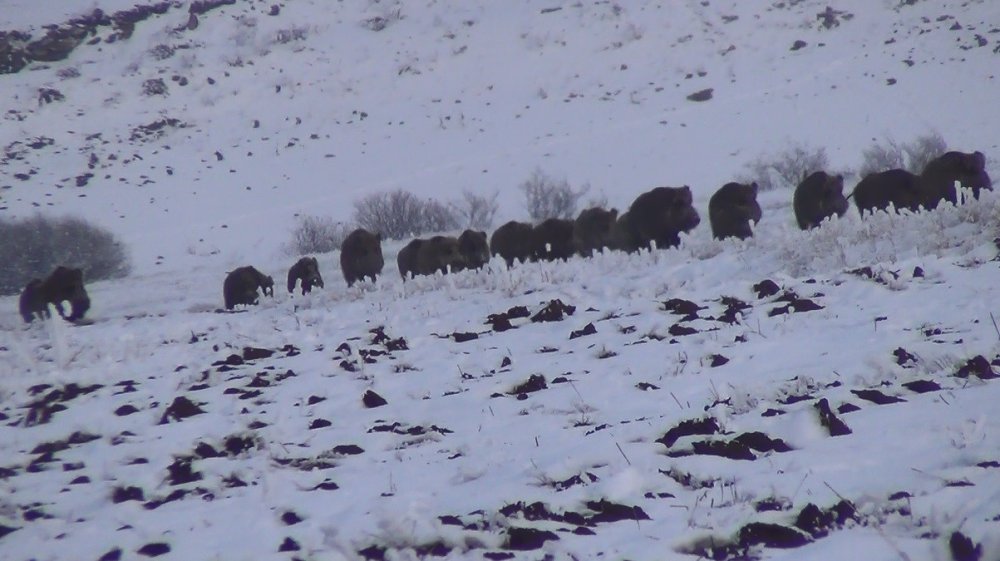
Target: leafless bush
[
  {"x": 546, "y": 197},
  {"x": 68, "y": 73},
  {"x": 476, "y": 211},
  {"x": 923, "y": 149},
  {"x": 318, "y": 234},
  {"x": 786, "y": 169},
  {"x": 33, "y": 247},
  {"x": 162, "y": 52},
  {"x": 437, "y": 217},
  {"x": 911, "y": 156},
  {"x": 387, "y": 18},
  {"x": 294, "y": 33},
  {"x": 154, "y": 86},
  {"x": 399, "y": 214}
]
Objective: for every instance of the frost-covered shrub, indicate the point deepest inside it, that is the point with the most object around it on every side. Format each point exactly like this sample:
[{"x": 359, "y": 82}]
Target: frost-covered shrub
[
  {"x": 161, "y": 52},
  {"x": 68, "y": 73},
  {"x": 437, "y": 217},
  {"x": 545, "y": 197},
  {"x": 154, "y": 86},
  {"x": 476, "y": 211},
  {"x": 911, "y": 156},
  {"x": 389, "y": 16},
  {"x": 399, "y": 214},
  {"x": 785, "y": 170},
  {"x": 318, "y": 234},
  {"x": 33, "y": 247},
  {"x": 294, "y": 33}
]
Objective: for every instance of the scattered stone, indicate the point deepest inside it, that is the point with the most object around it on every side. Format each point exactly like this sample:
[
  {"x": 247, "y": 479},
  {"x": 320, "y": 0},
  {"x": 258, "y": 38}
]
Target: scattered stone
[
  {"x": 534, "y": 383},
  {"x": 112, "y": 555},
  {"x": 818, "y": 522},
  {"x": 555, "y": 310},
  {"x": 373, "y": 553},
  {"x": 732, "y": 450},
  {"x": 204, "y": 450},
  {"x": 289, "y": 545},
  {"x": 795, "y": 304},
  {"x": 847, "y": 408},
  {"x": 877, "y": 397},
  {"x": 122, "y": 494},
  {"x": 236, "y": 445},
  {"x": 372, "y": 400},
  {"x": 49, "y": 95},
  {"x": 678, "y": 330},
  {"x": 963, "y": 548},
  {"x": 154, "y": 549},
  {"x": 772, "y": 504},
  {"x": 903, "y": 357},
  {"x": 606, "y": 511},
  {"x": 689, "y": 427},
  {"x": 181, "y": 472},
  {"x": 155, "y": 86},
  {"x": 348, "y": 450},
  {"x": 830, "y": 421},
  {"x": 762, "y": 443},
  {"x": 734, "y": 309},
  {"x": 701, "y": 95},
  {"x": 199, "y": 7},
  {"x": 717, "y": 360},
  {"x": 319, "y": 424},
  {"x": 978, "y": 366},
  {"x": 254, "y": 353},
  {"x": 682, "y": 307},
  {"x": 588, "y": 329},
  {"x": 527, "y": 539},
  {"x": 180, "y": 409}
]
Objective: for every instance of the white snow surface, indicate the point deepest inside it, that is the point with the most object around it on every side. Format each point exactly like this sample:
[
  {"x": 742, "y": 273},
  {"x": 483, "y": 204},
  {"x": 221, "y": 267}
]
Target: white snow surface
[{"x": 474, "y": 95}]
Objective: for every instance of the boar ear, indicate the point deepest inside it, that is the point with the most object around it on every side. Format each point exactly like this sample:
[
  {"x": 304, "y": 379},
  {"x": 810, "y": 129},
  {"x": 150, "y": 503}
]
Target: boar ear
[
  {"x": 614, "y": 214},
  {"x": 754, "y": 188}
]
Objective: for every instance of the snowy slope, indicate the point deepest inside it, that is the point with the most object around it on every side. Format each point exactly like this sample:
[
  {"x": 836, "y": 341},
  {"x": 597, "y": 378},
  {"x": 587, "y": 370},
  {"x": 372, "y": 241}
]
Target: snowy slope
[
  {"x": 456, "y": 459},
  {"x": 683, "y": 409},
  {"x": 470, "y": 96}
]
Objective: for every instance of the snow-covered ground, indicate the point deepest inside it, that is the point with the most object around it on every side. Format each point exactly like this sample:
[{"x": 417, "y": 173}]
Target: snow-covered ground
[
  {"x": 469, "y": 96},
  {"x": 633, "y": 426}
]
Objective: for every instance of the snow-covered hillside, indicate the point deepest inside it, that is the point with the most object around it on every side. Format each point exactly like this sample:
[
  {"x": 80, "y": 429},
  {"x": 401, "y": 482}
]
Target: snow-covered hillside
[
  {"x": 799, "y": 395},
  {"x": 307, "y": 110}
]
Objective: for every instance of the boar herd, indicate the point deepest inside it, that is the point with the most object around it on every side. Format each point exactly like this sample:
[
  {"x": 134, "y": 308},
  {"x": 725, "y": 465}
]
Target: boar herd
[{"x": 655, "y": 219}]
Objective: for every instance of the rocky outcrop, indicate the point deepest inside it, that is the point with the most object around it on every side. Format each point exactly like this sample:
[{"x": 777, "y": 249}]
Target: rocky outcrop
[{"x": 18, "y": 48}]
